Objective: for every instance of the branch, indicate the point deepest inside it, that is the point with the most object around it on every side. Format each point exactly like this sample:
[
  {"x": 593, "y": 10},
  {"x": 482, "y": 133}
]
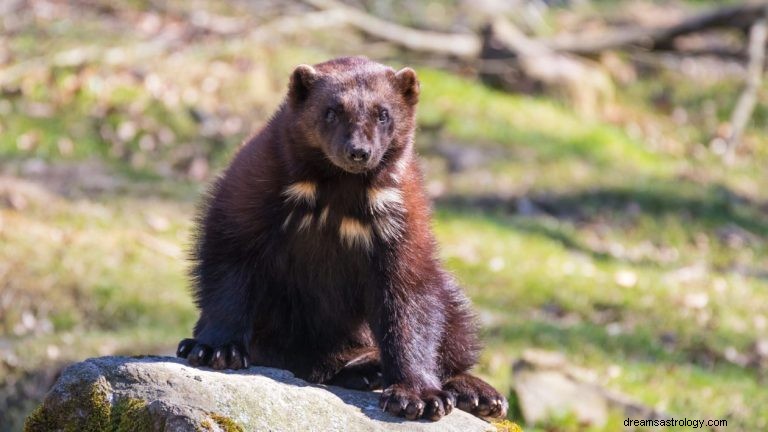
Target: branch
[
  {"x": 758, "y": 35},
  {"x": 458, "y": 45}
]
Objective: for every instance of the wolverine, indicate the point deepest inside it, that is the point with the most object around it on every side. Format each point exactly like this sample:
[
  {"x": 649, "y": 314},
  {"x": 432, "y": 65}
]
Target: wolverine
[{"x": 314, "y": 252}]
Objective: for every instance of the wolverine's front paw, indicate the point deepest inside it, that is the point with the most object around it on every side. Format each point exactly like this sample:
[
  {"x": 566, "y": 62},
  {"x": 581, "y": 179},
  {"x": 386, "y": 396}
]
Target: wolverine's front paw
[
  {"x": 476, "y": 396},
  {"x": 428, "y": 404},
  {"x": 227, "y": 356}
]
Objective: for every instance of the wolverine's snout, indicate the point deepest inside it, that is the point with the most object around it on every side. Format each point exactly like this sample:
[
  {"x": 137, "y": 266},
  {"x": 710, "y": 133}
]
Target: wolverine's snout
[{"x": 358, "y": 154}]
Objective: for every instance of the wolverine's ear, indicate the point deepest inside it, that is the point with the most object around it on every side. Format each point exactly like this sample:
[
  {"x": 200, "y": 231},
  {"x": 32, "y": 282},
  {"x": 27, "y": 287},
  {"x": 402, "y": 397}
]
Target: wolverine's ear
[
  {"x": 408, "y": 84},
  {"x": 301, "y": 82}
]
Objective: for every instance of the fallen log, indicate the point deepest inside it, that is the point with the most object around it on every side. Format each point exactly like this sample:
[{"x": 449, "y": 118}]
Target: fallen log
[
  {"x": 515, "y": 62},
  {"x": 739, "y": 17}
]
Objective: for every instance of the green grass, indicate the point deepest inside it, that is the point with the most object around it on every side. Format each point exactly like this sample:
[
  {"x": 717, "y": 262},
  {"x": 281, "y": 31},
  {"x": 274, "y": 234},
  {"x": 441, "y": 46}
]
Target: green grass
[
  {"x": 476, "y": 114},
  {"x": 640, "y": 258}
]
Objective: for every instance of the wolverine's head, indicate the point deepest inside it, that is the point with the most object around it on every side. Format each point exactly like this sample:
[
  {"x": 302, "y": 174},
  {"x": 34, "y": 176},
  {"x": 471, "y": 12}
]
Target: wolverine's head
[{"x": 354, "y": 110}]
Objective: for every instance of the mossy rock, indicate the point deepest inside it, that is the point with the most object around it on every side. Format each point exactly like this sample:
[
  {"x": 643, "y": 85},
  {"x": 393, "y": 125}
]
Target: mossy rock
[
  {"x": 87, "y": 408},
  {"x": 120, "y": 394}
]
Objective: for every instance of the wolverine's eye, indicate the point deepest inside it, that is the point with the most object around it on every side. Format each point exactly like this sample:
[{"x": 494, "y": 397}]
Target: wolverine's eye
[
  {"x": 383, "y": 116},
  {"x": 330, "y": 115}
]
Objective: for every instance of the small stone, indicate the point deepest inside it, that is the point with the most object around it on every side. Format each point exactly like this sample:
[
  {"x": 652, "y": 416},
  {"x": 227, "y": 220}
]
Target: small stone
[{"x": 546, "y": 394}]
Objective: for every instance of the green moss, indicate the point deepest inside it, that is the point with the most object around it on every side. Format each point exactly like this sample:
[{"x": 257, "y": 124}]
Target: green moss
[
  {"x": 130, "y": 415},
  {"x": 90, "y": 399},
  {"x": 226, "y": 423},
  {"x": 100, "y": 410},
  {"x": 38, "y": 420},
  {"x": 88, "y": 409}
]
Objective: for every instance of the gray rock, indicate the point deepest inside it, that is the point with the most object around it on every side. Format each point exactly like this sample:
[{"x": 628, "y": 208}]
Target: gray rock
[
  {"x": 164, "y": 394},
  {"x": 547, "y": 385},
  {"x": 543, "y": 394}
]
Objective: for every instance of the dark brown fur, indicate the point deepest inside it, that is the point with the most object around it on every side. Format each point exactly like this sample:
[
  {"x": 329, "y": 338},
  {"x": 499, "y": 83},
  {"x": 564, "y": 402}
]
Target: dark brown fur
[{"x": 353, "y": 295}]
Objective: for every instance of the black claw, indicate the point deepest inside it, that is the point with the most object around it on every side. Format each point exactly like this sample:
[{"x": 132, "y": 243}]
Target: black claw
[
  {"x": 184, "y": 347},
  {"x": 200, "y": 355},
  {"x": 396, "y": 406},
  {"x": 498, "y": 405},
  {"x": 384, "y": 399},
  {"x": 467, "y": 403},
  {"x": 414, "y": 410},
  {"x": 435, "y": 405},
  {"x": 219, "y": 360},
  {"x": 237, "y": 359},
  {"x": 385, "y": 396},
  {"x": 434, "y": 410},
  {"x": 450, "y": 402}
]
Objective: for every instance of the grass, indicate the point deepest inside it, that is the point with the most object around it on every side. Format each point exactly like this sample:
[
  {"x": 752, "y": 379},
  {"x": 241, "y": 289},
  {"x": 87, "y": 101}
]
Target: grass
[{"x": 641, "y": 261}]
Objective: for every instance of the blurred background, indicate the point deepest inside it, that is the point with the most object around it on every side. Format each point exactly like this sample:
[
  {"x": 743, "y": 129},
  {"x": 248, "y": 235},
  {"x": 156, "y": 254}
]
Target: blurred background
[{"x": 598, "y": 169}]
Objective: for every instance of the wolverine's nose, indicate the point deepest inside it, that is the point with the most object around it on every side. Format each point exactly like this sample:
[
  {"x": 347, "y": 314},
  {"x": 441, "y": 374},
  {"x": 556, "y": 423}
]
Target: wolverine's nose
[{"x": 359, "y": 155}]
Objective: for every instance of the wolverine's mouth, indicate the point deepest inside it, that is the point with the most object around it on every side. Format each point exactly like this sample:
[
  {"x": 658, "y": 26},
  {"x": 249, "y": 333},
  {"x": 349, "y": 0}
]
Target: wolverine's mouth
[
  {"x": 354, "y": 166},
  {"x": 355, "y": 169}
]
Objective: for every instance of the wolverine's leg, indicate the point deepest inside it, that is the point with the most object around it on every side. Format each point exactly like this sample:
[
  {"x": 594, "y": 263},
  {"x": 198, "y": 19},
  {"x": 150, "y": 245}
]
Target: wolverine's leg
[
  {"x": 220, "y": 333},
  {"x": 407, "y": 322},
  {"x": 459, "y": 350}
]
